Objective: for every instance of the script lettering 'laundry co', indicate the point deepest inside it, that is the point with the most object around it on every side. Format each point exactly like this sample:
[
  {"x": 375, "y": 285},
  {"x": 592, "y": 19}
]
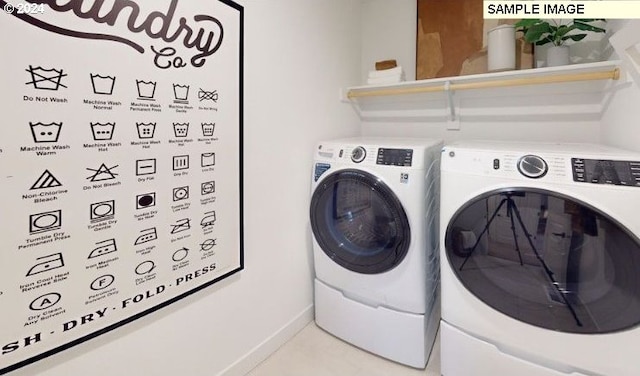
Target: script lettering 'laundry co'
[{"x": 204, "y": 33}]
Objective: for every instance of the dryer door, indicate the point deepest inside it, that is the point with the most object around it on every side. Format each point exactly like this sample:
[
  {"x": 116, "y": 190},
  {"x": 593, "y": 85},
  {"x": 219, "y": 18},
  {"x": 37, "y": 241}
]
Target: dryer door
[
  {"x": 359, "y": 222},
  {"x": 548, "y": 260}
]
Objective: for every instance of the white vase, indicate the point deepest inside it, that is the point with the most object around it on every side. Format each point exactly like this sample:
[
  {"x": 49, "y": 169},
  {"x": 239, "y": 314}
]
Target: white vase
[
  {"x": 557, "y": 56},
  {"x": 501, "y": 48}
]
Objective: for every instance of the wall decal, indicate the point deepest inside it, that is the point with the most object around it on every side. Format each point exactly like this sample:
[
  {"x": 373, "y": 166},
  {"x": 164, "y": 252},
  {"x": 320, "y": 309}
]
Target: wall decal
[{"x": 120, "y": 164}]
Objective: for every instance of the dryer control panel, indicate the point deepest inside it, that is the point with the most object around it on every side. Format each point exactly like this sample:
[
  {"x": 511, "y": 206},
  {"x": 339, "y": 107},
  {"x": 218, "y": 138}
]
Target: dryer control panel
[
  {"x": 394, "y": 157},
  {"x": 597, "y": 171}
]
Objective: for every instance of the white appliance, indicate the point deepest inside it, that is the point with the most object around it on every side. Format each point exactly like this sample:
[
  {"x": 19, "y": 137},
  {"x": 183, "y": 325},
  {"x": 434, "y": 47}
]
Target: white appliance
[
  {"x": 540, "y": 262},
  {"x": 374, "y": 219}
]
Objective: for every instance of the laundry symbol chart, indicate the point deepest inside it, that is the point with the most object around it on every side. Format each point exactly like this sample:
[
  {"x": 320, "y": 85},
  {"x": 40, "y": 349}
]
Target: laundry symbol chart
[
  {"x": 102, "y": 173},
  {"x": 145, "y": 267},
  {"x": 207, "y": 129},
  {"x": 180, "y": 162},
  {"x": 207, "y": 159},
  {"x": 180, "y": 193},
  {"x": 46, "y": 79},
  {"x": 42, "y": 132},
  {"x": 180, "y": 129},
  {"x": 209, "y": 219},
  {"x": 181, "y": 225},
  {"x": 180, "y": 254},
  {"x": 46, "y": 263},
  {"x": 146, "y": 130},
  {"x": 46, "y": 180},
  {"x": 145, "y": 167},
  {"x": 102, "y": 84},
  {"x": 102, "y": 211},
  {"x": 208, "y": 187},
  {"x": 146, "y": 89},
  {"x": 102, "y": 132},
  {"x": 180, "y": 93},
  {"x": 146, "y": 235},
  {"x": 102, "y": 248},
  {"x": 45, "y": 221},
  {"x": 207, "y": 245},
  {"x": 204, "y": 95},
  {"x": 145, "y": 200},
  {"x": 102, "y": 282}
]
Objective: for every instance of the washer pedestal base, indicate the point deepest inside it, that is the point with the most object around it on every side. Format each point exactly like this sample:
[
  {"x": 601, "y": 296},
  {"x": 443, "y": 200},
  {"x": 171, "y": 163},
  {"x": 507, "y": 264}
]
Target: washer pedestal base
[{"x": 399, "y": 336}]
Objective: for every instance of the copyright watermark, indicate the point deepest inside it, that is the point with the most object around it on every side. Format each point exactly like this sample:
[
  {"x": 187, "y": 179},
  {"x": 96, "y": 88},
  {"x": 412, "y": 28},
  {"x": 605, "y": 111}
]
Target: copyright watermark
[{"x": 23, "y": 8}]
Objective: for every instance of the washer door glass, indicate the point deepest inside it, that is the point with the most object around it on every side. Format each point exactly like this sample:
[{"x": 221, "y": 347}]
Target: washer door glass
[
  {"x": 359, "y": 222},
  {"x": 547, "y": 260}
]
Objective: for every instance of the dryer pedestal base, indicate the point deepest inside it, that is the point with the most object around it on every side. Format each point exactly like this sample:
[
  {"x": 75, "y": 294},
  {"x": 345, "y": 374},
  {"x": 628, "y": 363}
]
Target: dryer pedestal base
[{"x": 399, "y": 336}]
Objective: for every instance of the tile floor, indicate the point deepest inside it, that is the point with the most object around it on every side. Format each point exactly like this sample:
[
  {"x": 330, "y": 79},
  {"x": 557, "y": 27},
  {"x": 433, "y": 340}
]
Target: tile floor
[{"x": 314, "y": 352}]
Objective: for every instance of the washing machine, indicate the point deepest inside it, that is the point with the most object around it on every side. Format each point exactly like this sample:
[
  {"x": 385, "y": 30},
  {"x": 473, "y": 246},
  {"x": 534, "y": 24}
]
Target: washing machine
[
  {"x": 373, "y": 214},
  {"x": 540, "y": 260}
]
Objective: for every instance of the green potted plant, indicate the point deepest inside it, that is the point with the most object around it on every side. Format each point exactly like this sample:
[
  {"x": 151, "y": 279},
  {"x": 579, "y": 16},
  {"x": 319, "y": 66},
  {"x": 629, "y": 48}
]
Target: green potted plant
[{"x": 541, "y": 32}]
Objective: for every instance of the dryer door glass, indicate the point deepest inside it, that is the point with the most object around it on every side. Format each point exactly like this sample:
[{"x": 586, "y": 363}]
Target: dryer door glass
[
  {"x": 359, "y": 222},
  {"x": 547, "y": 260}
]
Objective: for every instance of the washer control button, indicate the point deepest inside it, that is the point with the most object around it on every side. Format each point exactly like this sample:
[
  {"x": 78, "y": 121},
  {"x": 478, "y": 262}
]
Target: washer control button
[
  {"x": 532, "y": 166},
  {"x": 358, "y": 154}
]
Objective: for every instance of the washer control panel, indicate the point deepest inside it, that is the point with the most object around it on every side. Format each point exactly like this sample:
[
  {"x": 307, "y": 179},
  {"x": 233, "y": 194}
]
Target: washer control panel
[
  {"x": 394, "y": 157},
  {"x": 597, "y": 171}
]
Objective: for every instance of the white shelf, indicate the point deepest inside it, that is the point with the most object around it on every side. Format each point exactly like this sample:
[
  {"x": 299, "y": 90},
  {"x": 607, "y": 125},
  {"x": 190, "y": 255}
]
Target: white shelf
[{"x": 575, "y": 91}]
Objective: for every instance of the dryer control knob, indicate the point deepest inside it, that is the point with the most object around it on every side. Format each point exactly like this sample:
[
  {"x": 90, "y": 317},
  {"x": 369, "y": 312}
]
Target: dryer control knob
[
  {"x": 532, "y": 166},
  {"x": 358, "y": 154}
]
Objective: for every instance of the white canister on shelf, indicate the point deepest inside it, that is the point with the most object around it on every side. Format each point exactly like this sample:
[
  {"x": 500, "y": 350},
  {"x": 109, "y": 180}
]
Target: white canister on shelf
[{"x": 502, "y": 48}]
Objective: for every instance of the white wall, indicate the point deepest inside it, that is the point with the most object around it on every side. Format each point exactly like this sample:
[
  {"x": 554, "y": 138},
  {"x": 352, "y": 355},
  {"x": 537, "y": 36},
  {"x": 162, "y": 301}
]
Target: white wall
[
  {"x": 389, "y": 32},
  {"x": 619, "y": 122},
  {"x": 297, "y": 55}
]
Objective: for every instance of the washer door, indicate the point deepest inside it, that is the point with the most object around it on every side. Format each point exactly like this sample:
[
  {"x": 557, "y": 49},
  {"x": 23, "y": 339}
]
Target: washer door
[
  {"x": 548, "y": 260},
  {"x": 359, "y": 222}
]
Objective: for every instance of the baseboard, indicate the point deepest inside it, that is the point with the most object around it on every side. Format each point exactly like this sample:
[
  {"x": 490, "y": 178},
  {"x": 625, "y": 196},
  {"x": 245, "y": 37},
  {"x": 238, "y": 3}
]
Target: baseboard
[{"x": 267, "y": 347}]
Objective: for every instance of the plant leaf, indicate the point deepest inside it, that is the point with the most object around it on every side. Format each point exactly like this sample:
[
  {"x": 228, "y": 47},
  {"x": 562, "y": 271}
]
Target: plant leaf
[
  {"x": 537, "y": 32},
  {"x": 575, "y": 37},
  {"x": 586, "y": 27}
]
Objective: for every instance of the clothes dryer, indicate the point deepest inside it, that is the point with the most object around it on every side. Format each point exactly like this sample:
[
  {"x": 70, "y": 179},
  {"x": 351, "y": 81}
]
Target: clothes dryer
[
  {"x": 541, "y": 260},
  {"x": 373, "y": 215}
]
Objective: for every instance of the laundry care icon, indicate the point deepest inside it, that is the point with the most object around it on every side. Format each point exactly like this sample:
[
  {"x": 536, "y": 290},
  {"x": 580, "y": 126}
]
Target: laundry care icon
[
  {"x": 204, "y": 95},
  {"x": 45, "y": 221},
  {"x": 102, "y": 84},
  {"x": 207, "y": 159},
  {"x": 145, "y": 167},
  {"x": 102, "y": 173},
  {"x": 146, "y": 89},
  {"x": 145, "y": 200},
  {"x": 180, "y": 254},
  {"x": 146, "y": 235},
  {"x": 102, "y": 132},
  {"x": 103, "y": 247},
  {"x": 42, "y": 132},
  {"x": 207, "y": 129},
  {"x": 208, "y": 187},
  {"x": 181, "y": 193},
  {"x": 102, "y": 211},
  {"x": 209, "y": 219},
  {"x": 46, "y": 79},
  {"x": 180, "y": 93},
  {"x": 46, "y": 263},
  {"x": 180, "y": 129},
  {"x": 46, "y": 180},
  {"x": 180, "y": 162},
  {"x": 181, "y": 225},
  {"x": 146, "y": 130}
]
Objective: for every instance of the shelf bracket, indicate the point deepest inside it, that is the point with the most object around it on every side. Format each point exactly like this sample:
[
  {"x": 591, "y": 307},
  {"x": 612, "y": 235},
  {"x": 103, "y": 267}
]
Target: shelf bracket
[{"x": 453, "y": 121}]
